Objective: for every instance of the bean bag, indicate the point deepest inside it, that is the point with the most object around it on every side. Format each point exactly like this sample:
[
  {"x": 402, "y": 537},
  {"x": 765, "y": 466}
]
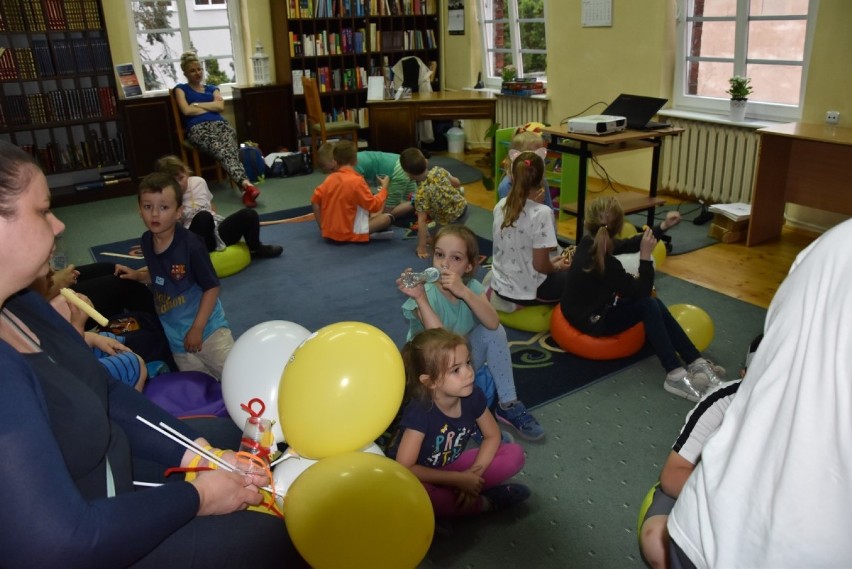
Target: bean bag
[
  {"x": 575, "y": 342},
  {"x": 529, "y": 318},
  {"x": 233, "y": 259}
]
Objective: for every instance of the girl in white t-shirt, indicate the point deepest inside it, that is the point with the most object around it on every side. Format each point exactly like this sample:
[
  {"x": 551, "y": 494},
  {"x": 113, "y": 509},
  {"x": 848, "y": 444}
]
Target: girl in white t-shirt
[{"x": 524, "y": 273}]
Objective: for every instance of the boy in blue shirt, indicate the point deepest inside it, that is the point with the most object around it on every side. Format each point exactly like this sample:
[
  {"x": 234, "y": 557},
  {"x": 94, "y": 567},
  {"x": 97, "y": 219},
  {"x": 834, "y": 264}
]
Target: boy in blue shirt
[{"x": 182, "y": 278}]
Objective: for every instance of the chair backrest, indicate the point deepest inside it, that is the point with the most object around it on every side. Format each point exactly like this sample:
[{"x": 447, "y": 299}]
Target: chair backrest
[
  {"x": 313, "y": 105},
  {"x": 181, "y": 134}
]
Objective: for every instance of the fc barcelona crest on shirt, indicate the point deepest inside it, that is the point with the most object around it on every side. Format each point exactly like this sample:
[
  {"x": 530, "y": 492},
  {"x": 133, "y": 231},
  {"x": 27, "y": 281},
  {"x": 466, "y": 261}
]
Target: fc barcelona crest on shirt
[{"x": 178, "y": 272}]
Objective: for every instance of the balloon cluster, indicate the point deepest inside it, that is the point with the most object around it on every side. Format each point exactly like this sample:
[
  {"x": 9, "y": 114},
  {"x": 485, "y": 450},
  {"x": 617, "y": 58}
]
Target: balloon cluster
[{"x": 335, "y": 392}]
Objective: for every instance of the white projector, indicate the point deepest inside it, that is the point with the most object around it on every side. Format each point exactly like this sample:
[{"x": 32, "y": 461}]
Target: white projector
[{"x": 597, "y": 124}]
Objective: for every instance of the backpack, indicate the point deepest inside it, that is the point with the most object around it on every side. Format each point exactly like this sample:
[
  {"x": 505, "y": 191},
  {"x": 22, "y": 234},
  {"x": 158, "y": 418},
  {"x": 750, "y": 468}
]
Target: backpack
[
  {"x": 252, "y": 159},
  {"x": 286, "y": 164}
]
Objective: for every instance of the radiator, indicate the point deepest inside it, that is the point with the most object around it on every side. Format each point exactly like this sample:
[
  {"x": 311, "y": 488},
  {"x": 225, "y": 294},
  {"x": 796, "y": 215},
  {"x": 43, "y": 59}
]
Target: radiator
[
  {"x": 709, "y": 161},
  {"x": 517, "y": 111}
]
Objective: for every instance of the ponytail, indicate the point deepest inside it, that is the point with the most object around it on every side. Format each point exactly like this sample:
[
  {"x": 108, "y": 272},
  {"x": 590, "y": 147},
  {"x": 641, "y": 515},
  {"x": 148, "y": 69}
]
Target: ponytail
[{"x": 527, "y": 173}]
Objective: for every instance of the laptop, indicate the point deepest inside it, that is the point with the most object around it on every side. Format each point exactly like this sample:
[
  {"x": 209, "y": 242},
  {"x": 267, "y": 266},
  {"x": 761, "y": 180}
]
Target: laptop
[{"x": 638, "y": 111}]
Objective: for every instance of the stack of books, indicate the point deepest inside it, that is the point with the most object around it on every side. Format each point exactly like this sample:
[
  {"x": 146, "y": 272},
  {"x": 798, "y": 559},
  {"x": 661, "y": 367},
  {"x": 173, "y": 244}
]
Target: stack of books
[
  {"x": 730, "y": 221},
  {"x": 523, "y": 87}
]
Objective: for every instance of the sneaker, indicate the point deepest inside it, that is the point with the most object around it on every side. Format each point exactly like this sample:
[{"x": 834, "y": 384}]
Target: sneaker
[
  {"x": 681, "y": 383},
  {"x": 504, "y": 496},
  {"x": 267, "y": 252},
  {"x": 707, "y": 373},
  {"x": 516, "y": 416},
  {"x": 505, "y": 437},
  {"x": 250, "y": 194},
  {"x": 501, "y": 304}
]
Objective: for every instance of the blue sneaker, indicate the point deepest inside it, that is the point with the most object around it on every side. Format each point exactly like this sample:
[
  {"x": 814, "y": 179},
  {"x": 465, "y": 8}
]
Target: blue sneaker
[
  {"x": 505, "y": 496},
  {"x": 516, "y": 416}
]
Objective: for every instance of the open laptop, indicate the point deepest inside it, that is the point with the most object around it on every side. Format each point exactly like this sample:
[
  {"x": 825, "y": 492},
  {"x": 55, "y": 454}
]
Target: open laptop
[{"x": 638, "y": 111}]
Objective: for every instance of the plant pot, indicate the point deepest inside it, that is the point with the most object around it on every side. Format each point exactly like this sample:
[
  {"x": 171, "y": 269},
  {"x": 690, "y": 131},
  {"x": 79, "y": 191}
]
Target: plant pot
[{"x": 738, "y": 109}]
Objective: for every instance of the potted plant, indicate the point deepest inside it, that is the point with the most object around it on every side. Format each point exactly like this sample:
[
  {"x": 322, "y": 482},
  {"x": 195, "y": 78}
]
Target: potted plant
[
  {"x": 739, "y": 91},
  {"x": 508, "y": 73}
]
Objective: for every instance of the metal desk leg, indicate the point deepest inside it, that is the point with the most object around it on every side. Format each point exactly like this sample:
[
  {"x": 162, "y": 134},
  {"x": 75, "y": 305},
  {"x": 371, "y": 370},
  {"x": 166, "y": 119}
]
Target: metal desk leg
[{"x": 655, "y": 176}]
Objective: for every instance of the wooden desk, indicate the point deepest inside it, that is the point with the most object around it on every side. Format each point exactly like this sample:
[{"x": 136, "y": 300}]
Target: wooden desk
[
  {"x": 586, "y": 146},
  {"x": 805, "y": 164},
  {"x": 393, "y": 124}
]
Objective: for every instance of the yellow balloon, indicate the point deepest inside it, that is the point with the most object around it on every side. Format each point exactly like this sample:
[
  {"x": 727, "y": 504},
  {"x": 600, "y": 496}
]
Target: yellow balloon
[
  {"x": 628, "y": 230},
  {"x": 659, "y": 254},
  {"x": 340, "y": 389},
  {"x": 695, "y": 322},
  {"x": 359, "y": 510}
]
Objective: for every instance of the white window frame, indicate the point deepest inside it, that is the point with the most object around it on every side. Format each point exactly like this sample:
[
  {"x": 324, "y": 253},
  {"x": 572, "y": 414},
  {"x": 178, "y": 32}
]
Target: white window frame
[
  {"x": 238, "y": 55},
  {"x": 721, "y": 105},
  {"x": 490, "y": 77}
]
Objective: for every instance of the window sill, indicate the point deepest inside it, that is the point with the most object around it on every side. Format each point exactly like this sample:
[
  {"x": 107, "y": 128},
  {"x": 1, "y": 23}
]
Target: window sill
[{"x": 717, "y": 119}]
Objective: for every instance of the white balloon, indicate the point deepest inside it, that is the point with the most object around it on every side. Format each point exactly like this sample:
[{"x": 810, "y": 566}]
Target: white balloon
[
  {"x": 286, "y": 472},
  {"x": 253, "y": 369}
]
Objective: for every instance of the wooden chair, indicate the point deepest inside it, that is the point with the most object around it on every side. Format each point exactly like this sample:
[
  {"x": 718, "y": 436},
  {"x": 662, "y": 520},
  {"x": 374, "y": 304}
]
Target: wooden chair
[
  {"x": 318, "y": 128},
  {"x": 187, "y": 150}
]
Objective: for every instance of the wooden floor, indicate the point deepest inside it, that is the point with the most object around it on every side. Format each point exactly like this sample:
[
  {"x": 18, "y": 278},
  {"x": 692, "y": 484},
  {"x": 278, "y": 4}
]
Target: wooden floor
[{"x": 750, "y": 274}]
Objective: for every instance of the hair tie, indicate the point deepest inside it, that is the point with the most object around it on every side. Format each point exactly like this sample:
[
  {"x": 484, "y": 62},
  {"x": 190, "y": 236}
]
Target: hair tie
[{"x": 527, "y": 162}]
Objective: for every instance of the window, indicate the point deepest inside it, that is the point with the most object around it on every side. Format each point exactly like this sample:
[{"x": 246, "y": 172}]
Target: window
[
  {"x": 513, "y": 34},
  {"x": 165, "y": 29},
  {"x": 766, "y": 40}
]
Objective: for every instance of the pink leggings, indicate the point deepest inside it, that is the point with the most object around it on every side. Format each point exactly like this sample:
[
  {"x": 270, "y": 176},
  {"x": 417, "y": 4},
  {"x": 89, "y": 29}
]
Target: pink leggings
[{"x": 507, "y": 462}]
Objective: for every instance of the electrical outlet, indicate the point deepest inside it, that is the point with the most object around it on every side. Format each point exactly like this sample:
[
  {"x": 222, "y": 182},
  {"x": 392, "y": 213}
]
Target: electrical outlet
[{"x": 832, "y": 117}]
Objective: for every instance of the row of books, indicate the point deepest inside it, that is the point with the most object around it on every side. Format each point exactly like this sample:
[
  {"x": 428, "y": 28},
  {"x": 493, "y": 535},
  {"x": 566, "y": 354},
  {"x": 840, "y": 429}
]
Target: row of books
[
  {"x": 305, "y": 9},
  {"x": 55, "y": 106},
  {"x": 94, "y": 152},
  {"x": 64, "y": 56},
  {"x": 105, "y": 180},
  {"x": 49, "y": 15},
  {"x": 359, "y": 115},
  {"x": 353, "y": 41}
]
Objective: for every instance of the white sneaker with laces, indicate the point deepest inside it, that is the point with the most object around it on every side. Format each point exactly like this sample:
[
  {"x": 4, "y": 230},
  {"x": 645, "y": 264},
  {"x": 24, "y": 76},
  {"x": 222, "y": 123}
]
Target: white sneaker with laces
[
  {"x": 706, "y": 373},
  {"x": 681, "y": 383}
]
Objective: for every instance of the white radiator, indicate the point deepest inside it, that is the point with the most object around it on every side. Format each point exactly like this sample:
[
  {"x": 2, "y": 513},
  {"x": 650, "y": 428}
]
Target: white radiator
[
  {"x": 709, "y": 161},
  {"x": 518, "y": 111}
]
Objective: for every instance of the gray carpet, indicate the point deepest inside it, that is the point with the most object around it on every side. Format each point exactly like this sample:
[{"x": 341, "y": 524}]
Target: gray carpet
[{"x": 686, "y": 236}]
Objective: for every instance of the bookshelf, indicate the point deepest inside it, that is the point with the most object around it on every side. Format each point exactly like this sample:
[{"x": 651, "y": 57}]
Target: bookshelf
[
  {"x": 58, "y": 99},
  {"x": 342, "y": 42}
]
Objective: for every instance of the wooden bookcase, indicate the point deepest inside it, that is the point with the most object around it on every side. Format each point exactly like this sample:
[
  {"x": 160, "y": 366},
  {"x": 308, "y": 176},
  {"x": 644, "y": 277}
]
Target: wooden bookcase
[
  {"x": 342, "y": 42},
  {"x": 58, "y": 97}
]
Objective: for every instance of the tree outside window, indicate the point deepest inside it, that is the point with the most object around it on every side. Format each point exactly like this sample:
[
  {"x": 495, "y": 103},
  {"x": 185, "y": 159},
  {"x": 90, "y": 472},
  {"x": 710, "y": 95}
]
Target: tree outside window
[
  {"x": 165, "y": 29},
  {"x": 513, "y": 34},
  {"x": 767, "y": 41}
]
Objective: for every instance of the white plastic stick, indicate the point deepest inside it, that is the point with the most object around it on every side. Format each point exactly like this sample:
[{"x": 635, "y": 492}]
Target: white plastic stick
[{"x": 72, "y": 297}]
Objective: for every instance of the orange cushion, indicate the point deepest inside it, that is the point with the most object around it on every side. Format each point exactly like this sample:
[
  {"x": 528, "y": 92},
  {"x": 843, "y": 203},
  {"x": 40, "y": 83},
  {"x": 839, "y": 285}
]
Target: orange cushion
[{"x": 575, "y": 342}]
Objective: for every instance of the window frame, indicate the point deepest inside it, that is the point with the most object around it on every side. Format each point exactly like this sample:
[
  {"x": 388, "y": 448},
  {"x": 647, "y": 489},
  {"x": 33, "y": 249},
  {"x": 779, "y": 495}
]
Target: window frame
[
  {"x": 234, "y": 24},
  {"x": 490, "y": 78},
  {"x": 720, "y": 105}
]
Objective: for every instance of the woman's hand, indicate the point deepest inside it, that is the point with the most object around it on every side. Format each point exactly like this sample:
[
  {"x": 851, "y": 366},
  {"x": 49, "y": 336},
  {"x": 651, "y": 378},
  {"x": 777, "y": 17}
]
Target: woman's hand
[
  {"x": 221, "y": 492},
  {"x": 646, "y": 246}
]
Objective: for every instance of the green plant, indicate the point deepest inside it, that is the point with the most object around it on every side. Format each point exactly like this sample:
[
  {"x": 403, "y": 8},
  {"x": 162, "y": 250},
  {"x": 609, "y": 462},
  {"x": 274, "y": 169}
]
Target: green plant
[
  {"x": 740, "y": 87},
  {"x": 508, "y": 73}
]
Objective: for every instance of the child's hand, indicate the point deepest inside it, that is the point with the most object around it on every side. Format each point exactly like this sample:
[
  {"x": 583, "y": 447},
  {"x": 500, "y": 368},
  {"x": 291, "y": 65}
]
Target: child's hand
[
  {"x": 383, "y": 181},
  {"x": 646, "y": 246},
  {"x": 452, "y": 282},
  {"x": 192, "y": 341},
  {"x": 64, "y": 278},
  {"x": 414, "y": 292},
  {"x": 672, "y": 219},
  {"x": 77, "y": 317},
  {"x": 125, "y": 272},
  {"x": 105, "y": 344},
  {"x": 469, "y": 483}
]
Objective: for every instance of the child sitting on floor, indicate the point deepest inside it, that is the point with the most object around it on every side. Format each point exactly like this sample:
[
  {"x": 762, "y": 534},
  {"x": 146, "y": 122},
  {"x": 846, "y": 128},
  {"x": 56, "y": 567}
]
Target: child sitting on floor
[
  {"x": 345, "y": 209},
  {"x": 444, "y": 410},
  {"x": 181, "y": 276},
  {"x": 372, "y": 165},
  {"x": 200, "y": 217},
  {"x": 439, "y": 196},
  {"x": 525, "y": 141}
]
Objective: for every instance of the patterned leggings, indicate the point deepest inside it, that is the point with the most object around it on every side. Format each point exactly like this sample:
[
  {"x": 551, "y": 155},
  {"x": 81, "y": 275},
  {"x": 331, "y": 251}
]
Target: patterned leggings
[{"x": 219, "y": 140}]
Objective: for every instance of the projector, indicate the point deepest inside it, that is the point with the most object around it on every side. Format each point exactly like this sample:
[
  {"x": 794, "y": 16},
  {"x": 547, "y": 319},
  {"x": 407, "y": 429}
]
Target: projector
[{"x": 597, "y": 124}]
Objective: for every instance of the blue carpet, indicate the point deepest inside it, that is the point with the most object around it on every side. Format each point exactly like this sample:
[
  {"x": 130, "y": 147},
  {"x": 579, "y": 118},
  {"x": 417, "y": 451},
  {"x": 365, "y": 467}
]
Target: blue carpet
[{"x": 316, "y": 283}]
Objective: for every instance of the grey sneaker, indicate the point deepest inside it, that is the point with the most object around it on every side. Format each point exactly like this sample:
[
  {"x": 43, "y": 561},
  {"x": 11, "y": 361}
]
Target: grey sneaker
[
  {"x": 706, "y": 373},
  {"x": 682, "y": 386}
]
